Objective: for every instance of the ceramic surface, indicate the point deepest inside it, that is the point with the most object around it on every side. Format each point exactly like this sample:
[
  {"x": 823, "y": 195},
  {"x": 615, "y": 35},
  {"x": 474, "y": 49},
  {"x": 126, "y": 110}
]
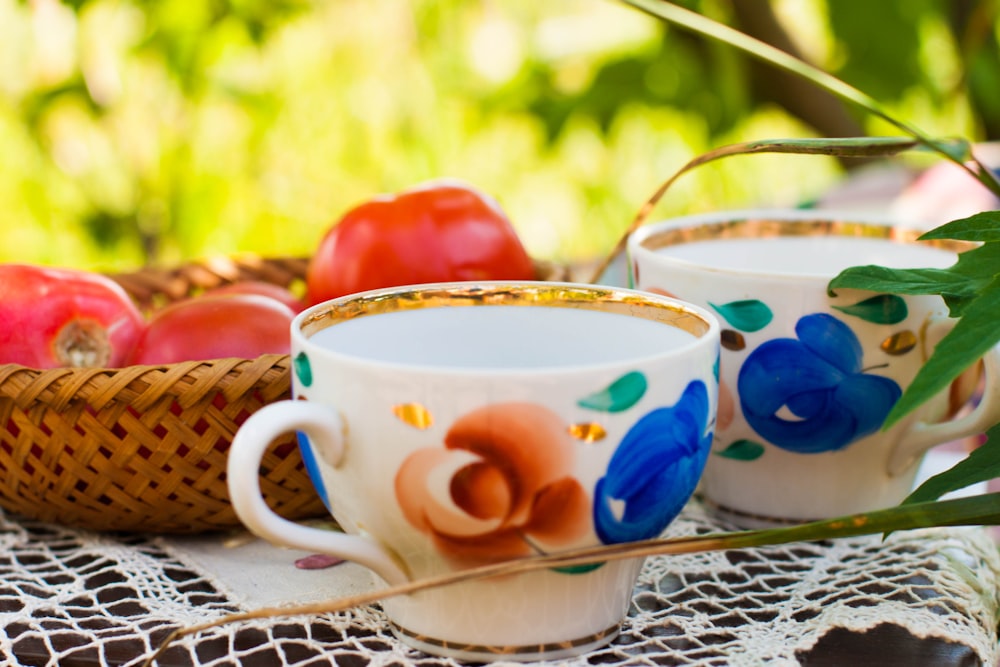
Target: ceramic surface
[
  {"x": 449, "y": 426},
  {"x": 807, "y": 377}
]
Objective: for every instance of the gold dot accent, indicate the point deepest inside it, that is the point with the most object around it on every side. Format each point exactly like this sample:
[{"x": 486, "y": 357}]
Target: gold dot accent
[
  {"x": 899, "y": 343},
  {"x": 733, "y": 340},
  {"x": 413, "y": 414},
  {"x": 587, "y": 431}
]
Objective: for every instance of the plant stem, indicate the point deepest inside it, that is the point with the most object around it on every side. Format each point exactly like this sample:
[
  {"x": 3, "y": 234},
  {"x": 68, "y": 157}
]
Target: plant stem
[
  {"x": 704, "y": 26},
  {"x": 970, "y": 511}
]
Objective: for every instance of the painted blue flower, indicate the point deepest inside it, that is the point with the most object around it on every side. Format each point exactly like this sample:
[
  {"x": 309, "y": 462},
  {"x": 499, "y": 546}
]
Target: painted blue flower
[
  {"x": 655, "y": 469},
  {"x": 312, "y": 467},
  {"x": 811, "y": 395}
]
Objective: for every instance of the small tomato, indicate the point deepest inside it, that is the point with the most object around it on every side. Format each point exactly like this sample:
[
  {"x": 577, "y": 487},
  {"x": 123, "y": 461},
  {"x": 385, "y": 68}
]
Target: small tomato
[
  {"x": 440, "y": 231},
  {"x": 52, "y": 318},
  {"x": 260, "y": 287},
  {"x": 215, "y": 327}
]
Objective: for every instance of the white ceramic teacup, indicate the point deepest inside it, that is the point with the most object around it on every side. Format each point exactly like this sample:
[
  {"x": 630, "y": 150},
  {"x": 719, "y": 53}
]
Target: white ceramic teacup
[
  {"x": 453, "y": 425},
  {"x": 807, "y": 378}
]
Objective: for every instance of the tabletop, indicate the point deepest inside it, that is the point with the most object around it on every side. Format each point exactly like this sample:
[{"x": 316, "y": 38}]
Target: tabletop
[{"x": 71, "y": 598}]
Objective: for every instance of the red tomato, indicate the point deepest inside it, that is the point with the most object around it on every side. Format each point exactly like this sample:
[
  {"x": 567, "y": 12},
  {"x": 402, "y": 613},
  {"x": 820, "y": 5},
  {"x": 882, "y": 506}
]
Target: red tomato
[
  {"x": 262, "y": 288},
  {"x": 51, "y": 318},
  {"x": 215, "y": 327},
  {"x": 440, "y": 231}
]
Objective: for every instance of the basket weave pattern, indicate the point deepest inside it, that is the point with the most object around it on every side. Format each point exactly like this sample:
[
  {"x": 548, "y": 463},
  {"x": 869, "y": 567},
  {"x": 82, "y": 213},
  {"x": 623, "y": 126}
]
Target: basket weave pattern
[{"x": 143, "y": 448}]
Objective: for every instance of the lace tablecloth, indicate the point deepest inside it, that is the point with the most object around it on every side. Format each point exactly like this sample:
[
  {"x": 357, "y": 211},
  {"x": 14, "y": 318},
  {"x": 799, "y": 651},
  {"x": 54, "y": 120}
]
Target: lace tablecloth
[{"x": 75, "y": 598}]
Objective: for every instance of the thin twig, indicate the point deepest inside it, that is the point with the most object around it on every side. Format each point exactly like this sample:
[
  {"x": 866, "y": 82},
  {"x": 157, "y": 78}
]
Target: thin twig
[
  {"x": 852, "y": 147},
  {"x": 976, "y": 510}
]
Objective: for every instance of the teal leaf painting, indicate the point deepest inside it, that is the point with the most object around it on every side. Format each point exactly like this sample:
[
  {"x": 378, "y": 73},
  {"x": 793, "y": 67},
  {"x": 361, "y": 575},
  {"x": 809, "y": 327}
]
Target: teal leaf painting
[
  {"x": 303, "y": 369},
  {"x": 881, "y": 309},
  {"x": 743, "y": 450},
  {"x": 747, "y": 315},
  {"x": 578, "y": 569},
  {"x": 620, "y": 395}
]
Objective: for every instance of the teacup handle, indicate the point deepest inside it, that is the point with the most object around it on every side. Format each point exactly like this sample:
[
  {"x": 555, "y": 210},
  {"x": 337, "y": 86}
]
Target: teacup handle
[
  {"x": 923, "y": 436},
  {"x": 325, "y": 430}
]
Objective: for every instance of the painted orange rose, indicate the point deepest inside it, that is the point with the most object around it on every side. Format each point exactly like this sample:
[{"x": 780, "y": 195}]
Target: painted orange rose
[{"x": 500, "y": 488}]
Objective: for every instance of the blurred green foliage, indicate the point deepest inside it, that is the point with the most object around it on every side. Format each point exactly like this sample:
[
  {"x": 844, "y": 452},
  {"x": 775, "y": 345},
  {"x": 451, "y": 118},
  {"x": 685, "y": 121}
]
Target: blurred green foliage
[{"x": 135, "y": 132}]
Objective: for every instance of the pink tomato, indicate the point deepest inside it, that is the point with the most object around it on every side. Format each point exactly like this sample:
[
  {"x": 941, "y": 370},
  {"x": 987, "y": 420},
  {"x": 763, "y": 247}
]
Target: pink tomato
[
  {"x": 216, "y": 327},
  {"x": 51, "y": 318}
]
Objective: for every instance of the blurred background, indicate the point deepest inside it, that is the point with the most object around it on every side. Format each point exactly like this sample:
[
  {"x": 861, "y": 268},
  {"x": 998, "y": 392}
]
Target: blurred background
[{"x": 136, "y": 133}]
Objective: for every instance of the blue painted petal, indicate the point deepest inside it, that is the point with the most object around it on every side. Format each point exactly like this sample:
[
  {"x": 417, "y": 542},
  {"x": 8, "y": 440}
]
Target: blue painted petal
[
  {"x": 824, "y": 432},
  {"x": 312, "y": 467},
  {"x": 654, "y": 470},
  {"x": 778, "y": 370},
  {"x": 658, "y": 439},
  {"x": 831, "y": 340},
  {"x": 869, "y": 398},
  {"x": 784, "y": 373},
  {"x": 649, "y": 512},
  {"x": 809, "y": 395},
  {"x": 809, "y": 404}
]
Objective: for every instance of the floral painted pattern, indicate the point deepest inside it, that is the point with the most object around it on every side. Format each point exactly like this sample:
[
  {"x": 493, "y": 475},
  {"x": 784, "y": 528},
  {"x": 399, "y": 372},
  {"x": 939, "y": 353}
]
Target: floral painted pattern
[
  {"x": 812, "y": 394},
  {"x": 503, "y": 484},
  {"x": 654, "y": 470},
  {"x": 501, "y": 487}
]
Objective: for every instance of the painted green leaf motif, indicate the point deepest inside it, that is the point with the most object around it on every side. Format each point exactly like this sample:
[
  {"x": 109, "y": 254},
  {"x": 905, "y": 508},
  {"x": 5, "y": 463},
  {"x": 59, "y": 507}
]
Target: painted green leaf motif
[
  {"x": 303, "y": 369},
  {"x": 881, "y": 309},
  {"x": 578, "y": 569},
  {"x": 743, "y": 450},
  {"x": 748, "y": 315},
  {"x": 620, "y": 395}
]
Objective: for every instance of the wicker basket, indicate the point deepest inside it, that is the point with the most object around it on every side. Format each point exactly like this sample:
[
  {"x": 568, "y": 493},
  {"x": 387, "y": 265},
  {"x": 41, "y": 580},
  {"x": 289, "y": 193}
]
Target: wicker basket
[{"x": 143, "y": 448}]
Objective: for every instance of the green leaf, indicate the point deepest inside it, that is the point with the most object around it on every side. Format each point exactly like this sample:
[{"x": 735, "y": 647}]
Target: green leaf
[
  {"x": 903, "y": 281},
  {"x": 620, "y": 395},
  {"x": 984, "y": 226},
  {"x": 958, "y": 285},
  {"x": 981, "y": 465},
  {"x": 742, "y": 450},
  {"x": 747, "y": 315},
  {"x": 880, "y": 309},
  {"x": 982, "y": 262},
  {"x": 974, "y": 334}
]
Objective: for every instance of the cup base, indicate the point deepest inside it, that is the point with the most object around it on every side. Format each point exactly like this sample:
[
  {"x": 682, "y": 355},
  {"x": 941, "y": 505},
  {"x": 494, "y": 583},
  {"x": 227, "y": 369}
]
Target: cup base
[
  {"x": 526, "y": 653},
  {"x": 749, "y": 520}
]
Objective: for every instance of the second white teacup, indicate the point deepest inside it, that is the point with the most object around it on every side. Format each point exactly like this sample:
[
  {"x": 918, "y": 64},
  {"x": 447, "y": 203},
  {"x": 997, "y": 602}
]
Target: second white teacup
[{"x": 807, "y": 377}]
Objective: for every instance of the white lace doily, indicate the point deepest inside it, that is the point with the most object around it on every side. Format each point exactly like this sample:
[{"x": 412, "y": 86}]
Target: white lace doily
[{"x": 69, "y": 597}]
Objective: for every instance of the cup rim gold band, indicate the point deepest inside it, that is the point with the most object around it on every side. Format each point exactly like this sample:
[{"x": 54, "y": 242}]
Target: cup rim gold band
[
  {"x": 764, "y": 226},
  {"x": 657, "y": 308}
]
